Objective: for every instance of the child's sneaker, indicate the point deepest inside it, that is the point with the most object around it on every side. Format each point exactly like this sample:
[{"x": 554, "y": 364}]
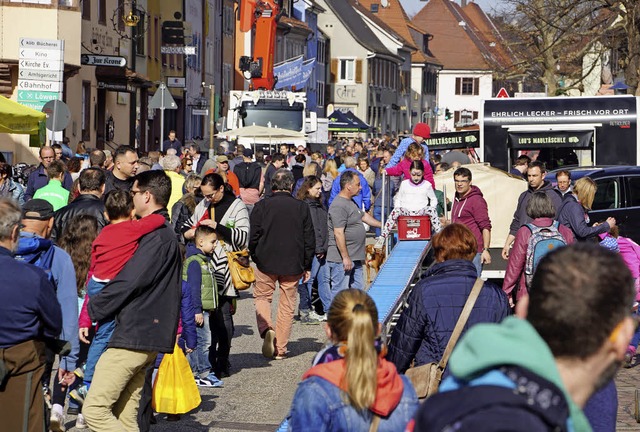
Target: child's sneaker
[
  {"x": 56, "y": 421},
  {"x": 81, "y": 423},
  {"x": 79, "y": 372},
  {"x": 79, "y": 394},
  {"x": 210, "y": 380}
]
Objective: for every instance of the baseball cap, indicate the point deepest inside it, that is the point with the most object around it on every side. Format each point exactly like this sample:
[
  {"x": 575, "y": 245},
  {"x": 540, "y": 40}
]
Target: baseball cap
[
  {"x": 222, "y": 159},
  {"x": 37, "y": 209},
  {"x": 247, "y": 152}
]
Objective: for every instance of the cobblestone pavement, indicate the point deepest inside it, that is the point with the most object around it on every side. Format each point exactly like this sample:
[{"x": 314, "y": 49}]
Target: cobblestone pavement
[
  {"x": 258, "y": 394},
  {"x": 627, "y": 381}
]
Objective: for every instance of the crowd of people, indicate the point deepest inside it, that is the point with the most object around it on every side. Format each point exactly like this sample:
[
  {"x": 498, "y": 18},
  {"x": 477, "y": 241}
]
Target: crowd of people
[{"x": 90, "y": 239}]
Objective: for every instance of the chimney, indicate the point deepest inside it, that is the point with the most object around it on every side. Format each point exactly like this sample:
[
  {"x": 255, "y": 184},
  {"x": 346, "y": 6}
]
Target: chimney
[{"x": 463, "y": 3}]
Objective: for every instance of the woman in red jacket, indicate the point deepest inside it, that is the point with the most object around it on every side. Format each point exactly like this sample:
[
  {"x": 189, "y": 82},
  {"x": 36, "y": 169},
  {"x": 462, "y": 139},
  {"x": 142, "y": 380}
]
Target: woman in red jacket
[{"x": 540, "y": 209}]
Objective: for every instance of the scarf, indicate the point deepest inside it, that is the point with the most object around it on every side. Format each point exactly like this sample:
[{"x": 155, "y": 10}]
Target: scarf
[{"x": 331, "y": 365}]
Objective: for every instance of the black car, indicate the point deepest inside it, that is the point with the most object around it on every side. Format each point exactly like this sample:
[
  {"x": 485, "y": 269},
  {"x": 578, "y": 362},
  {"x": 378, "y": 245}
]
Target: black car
[{"x": 618, "y": 195}]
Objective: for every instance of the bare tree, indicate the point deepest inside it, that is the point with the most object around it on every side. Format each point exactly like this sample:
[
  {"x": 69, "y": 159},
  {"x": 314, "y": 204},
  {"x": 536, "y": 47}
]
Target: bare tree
[
  {"x": 552, "y": 37},
  {"x": 624, "y": 39}
]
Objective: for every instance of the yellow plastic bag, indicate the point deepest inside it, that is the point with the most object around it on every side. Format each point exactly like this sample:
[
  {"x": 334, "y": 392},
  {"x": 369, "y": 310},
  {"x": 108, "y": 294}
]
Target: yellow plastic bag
[{"x": 175, "y": 390}]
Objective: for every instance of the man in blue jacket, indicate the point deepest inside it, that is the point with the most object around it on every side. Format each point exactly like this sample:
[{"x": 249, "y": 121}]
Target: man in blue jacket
[
  {"x": 29, "y": 314},
  {"x": 363, "y": 198},
  {"x": 39, "y": 178},
  {"x": 35, "y": 248}
]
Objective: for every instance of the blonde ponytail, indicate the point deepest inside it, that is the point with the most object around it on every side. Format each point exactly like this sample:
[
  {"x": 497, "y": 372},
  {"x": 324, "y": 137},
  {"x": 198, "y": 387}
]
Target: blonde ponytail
[{"x": 353, "y": 318}]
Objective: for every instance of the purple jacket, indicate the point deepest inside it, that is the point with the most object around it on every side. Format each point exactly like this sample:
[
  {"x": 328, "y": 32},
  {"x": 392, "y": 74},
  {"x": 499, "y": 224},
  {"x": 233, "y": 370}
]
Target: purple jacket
[
  {"x": 572, "y": 215},
  {"x": 518, "y": 256},
  {"x": 471, "y": 211}
]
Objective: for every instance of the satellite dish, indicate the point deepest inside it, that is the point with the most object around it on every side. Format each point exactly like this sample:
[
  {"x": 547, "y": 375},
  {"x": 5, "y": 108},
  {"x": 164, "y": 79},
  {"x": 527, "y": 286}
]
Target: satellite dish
[{"x": 384, "y": 3}]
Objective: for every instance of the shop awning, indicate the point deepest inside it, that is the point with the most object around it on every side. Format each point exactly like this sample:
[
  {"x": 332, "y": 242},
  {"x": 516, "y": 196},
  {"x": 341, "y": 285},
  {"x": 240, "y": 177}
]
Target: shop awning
[{"x": 346, "y": 122}]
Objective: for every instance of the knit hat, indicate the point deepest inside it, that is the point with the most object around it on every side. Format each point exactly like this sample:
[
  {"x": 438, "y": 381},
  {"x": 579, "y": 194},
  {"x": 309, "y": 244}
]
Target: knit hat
[
  {"x": 37, "y": 209},
  {"x": 422, "y": 130}
]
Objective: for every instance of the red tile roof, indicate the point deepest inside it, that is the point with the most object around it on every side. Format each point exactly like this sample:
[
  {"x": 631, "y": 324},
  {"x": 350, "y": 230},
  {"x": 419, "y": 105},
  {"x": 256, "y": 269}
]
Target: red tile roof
[
  {"x": 395, "y": 17},
  {"x": 462, "y": 38}
]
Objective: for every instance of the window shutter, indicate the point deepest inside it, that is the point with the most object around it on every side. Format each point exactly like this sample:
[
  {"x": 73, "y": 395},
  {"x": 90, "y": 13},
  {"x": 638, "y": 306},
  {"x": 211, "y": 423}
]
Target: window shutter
[
  {"x": 358, "y": 71},
  {"x": 458, "y": 86},
  {"x": 334, "y": 70},
  {"x": 456, "y": 118},
  {"x": 476, "y": 86},
  {"x": 475, "y": 115}
]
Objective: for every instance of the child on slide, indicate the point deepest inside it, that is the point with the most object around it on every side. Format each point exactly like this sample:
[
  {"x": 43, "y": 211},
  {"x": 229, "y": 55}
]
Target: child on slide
[{"x": 415, "y": 197}]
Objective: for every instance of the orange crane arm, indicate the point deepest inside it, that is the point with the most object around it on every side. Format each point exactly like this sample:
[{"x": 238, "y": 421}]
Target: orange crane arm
[{"x": 262, "y": 15}]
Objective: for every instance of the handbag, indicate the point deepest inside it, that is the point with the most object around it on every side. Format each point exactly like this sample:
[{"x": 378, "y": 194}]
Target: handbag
[
  {"x": 175, "y": 390},
  {"x": 426, "y": 378},
  {"x": 242, "y": 274}
]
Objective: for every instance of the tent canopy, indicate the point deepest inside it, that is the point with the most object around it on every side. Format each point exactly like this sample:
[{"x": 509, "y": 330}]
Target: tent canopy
[
  {"x": 501, "y": 190},
  {"x": 256, "y": 131},
  {"x": 346, "y": 122},
  {"x": 19, "y": 119}
]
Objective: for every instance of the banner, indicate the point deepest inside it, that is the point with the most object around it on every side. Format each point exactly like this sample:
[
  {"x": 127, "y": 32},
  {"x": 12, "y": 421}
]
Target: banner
[
  {"x": 293, "y": 73},
  {"x": 551, "y": 139},
  {"x": 453, "y": 140},
  {"x": 307, "y": 69},
  {"x": 288, "y": 73}
]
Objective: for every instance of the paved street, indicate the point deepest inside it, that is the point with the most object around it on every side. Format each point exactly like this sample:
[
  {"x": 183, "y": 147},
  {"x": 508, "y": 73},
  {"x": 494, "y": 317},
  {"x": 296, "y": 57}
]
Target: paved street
[
  {"x": 627, "y": 381},
  {"x": 258, "y": 394}
]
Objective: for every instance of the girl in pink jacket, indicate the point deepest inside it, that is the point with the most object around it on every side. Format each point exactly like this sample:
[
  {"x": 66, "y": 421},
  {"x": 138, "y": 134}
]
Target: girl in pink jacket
[{"x": 414, "y": 152}]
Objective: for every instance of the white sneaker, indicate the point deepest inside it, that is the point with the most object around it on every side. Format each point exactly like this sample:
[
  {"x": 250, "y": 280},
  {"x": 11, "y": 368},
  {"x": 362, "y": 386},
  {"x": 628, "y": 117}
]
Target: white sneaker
[
  {"x": 56, "y": 421},
  {"x": 317, "y": 317},
  {"x": 80, "y": 423}
]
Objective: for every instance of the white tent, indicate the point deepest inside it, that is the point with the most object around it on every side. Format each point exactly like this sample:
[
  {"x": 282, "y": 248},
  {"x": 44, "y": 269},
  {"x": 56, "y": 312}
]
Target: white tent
[{"x": 501, "y": 191}]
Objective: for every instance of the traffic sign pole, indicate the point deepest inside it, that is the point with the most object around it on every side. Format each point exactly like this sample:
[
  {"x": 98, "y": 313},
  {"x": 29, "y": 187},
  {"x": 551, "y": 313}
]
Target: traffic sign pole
[{"x": 162, "y": 115}]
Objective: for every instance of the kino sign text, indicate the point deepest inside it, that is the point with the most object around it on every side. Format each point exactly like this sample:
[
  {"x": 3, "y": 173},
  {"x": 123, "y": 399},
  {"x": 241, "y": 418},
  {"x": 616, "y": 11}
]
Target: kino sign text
[{"x": 40, "y": 75}]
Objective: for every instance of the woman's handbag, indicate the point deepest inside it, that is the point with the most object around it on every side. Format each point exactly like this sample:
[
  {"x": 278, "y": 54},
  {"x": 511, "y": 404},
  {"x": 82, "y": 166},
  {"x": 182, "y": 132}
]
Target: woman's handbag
[
  {"x": 175, "y": 391},
  {"x": 242, "y": 274},
  {"x": 426, "y": 378}
]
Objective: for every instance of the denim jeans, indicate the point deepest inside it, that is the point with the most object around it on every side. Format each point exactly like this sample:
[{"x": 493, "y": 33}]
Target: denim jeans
[
  {"x": 636, "y": 336},
  {"x": 342, "y": 280},
  {"x": 377, "y": 213},
  {"x": 102, "y": 337},
  {"x": 199, "y": 358},
  {"x": 477, "y": 261},
  {"x": 319, "y": 272}
]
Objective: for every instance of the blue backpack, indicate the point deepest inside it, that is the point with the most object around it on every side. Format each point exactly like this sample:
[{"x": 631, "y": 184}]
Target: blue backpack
[{"x": 542, "y": 241}]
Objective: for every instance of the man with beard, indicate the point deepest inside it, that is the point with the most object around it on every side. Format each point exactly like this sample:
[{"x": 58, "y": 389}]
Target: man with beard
[
  {"x": 536, "y": 371},
  {"x": 536, "y": 174}
]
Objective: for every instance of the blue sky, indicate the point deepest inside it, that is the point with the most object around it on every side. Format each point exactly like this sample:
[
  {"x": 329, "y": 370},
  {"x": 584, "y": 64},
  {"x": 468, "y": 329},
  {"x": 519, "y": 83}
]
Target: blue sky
[{"x": 413, "y": 6}]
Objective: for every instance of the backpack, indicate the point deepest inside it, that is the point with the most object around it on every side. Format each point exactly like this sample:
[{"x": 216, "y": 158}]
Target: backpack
[{"x": 542, "y": 241}]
